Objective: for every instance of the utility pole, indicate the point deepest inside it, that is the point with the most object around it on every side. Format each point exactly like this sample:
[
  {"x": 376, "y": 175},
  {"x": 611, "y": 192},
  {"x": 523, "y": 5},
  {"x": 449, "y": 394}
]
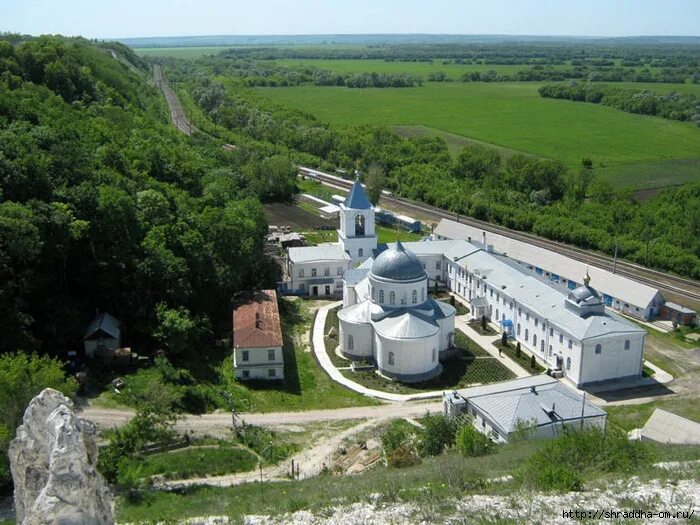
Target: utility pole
[
  {"x": 583, "y": 408},
  {"x": 617, "y": 243}
]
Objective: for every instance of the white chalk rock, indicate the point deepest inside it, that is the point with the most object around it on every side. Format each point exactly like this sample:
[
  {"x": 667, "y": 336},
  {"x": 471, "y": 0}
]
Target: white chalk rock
[{"x": 53, "y": 461}]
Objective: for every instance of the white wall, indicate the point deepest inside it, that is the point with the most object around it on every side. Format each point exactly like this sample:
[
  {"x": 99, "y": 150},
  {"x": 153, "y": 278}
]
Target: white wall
[
  {"x": 411, "y": 357},
  {"x": 258, "y": 363},
  {"x": 613, "y": 361},
  {"x": 92, "y": 345},
  {"x": 363, "y": 339},
  {"x": 302, "y": 273}
]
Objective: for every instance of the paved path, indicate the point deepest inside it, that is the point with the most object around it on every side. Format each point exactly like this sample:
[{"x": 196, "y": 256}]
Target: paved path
[
  {"x": 486, "y": 342},
  {"x": 319, "y": 350}
]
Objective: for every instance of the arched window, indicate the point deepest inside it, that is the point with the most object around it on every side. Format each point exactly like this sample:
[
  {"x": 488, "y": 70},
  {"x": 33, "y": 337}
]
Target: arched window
[
  {"x": 550, "y": 350},
  {"x": 433, "y": 355},
  {"x": 534, "y": 340},
  {"x": 403, "y": 298},
  {"x": 627, "y": 344},
  {"x": 518, "y": 328},
  {"x": 571, "y": 344},
  {"x": 542, "y": 346},
  {"x": 568, "y": 363},
  {"x": 391, "y": 358},
  {"x": 381, "y": 296},
  {"x": 392, "y": 298},
  {"x": 527, "y": 334},
  {"x": 359, "y": 225},
  {"x": 598, "y": 349},
  {"x": 414, "y": 296},
  {"x": 351, "y": 343},
  {"x": 360, "y": 253}
]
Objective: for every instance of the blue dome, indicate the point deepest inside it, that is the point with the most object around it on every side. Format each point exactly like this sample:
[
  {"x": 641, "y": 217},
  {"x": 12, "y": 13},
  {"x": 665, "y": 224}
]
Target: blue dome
[{"x": 396, "y": 264}]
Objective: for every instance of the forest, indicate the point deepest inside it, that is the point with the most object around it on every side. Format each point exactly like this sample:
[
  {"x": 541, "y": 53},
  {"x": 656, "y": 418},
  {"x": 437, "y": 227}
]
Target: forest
[
  {"x": 676, "y": 106},
  {"x": 104, "y": 206}
]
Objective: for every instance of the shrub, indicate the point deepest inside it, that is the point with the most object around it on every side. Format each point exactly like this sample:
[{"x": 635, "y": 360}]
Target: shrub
[
  {"x": 463, "y": 477},
  {"x": 558, "y": 478},
  {"x": 517, "y": 350},
  {"x": 396, "y": 434},
  {"x": 533, "y": 363},
  {"x": 401, "y": 457},
  {"x": 438, "y": 433},
  {"x": 471, "y": 442}
]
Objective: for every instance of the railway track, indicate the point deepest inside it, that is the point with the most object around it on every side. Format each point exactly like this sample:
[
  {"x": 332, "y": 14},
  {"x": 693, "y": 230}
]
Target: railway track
[
  {"x": 177, "y": 114},
  {"x": 688, "y": 289}
]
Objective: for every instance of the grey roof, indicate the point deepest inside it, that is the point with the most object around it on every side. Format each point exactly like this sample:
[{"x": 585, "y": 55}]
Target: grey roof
[
  {"x": 665, "y": 427},
  {"x": 679, "y": 308},
  {"x": 322, "y": 252},
  {"x": 615, "y": 285},
  {"x": 428, "y": 247},
  {"x": 479, "y": 301},
  {"x": 398, "y": 264},
  {"x": 406, "y": 324},
  {"x": 539, "y": 297},
  {"x": 103, "y": 325},
  {"x": 542, "y": 405},
  {"x": 583, "y": 293},
  {"x": 354, "y": 276},
  {"x": 357, "y": 199}
]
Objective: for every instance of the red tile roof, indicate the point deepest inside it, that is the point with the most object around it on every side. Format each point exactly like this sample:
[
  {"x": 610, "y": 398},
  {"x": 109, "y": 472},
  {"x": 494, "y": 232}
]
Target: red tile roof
[{"x": 256, "y": 322}]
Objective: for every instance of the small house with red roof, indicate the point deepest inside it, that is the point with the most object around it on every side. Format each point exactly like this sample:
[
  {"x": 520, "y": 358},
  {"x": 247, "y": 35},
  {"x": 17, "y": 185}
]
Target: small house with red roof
[{"x": 257, "y": 338}]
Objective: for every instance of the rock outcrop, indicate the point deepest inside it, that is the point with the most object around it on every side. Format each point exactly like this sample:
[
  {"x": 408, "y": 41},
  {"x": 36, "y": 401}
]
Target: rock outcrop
[{"x": 53, "y": 461}]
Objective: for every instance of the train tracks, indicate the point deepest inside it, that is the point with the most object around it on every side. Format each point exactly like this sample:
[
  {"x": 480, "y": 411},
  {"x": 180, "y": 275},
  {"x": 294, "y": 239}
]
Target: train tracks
[
  {"x": 177, "y": 114},
  {"x": 677, "y": 288}
]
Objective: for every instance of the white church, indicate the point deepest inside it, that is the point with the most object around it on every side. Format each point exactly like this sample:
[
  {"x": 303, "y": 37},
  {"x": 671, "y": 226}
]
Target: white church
[{"x": 388, "y": 317}]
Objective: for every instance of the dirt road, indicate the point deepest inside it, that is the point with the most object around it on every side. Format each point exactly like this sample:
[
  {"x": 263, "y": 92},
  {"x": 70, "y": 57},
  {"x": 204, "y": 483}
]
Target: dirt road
[{"x": 220, "y": 422}]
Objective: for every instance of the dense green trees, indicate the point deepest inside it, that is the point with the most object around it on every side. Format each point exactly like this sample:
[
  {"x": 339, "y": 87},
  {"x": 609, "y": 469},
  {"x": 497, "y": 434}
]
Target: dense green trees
[{"x": 104, "y": 205}]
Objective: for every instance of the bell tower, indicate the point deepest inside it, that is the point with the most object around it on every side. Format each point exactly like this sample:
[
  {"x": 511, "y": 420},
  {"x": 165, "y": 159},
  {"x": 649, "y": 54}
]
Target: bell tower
[{"x": 356, "y": 234}]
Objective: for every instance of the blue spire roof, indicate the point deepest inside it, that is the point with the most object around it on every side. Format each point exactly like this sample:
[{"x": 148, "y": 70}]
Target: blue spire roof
[{"x": 357, "y": 199}]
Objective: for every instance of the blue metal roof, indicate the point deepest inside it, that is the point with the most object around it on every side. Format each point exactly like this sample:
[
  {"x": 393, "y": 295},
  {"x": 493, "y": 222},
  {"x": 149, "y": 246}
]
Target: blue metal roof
[{"x": 357, "y": 199}]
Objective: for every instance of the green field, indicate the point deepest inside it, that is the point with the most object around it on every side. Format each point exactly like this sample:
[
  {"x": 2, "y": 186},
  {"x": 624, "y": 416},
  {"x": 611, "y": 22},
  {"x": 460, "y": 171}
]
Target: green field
[
  {"x": 514, "y": 116},
  {"x": 179, "y": 52}
]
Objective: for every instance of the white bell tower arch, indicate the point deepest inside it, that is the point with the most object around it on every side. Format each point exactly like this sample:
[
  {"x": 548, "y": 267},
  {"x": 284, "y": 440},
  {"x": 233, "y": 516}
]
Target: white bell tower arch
[{"x": 356, "y": 234}]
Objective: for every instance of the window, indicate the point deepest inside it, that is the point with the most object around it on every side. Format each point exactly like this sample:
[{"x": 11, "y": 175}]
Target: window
[
  {"x": 244, "y": 355},
  {"x": 518, "y": 328},
  {"x": 246, "y": 374},
  {"x": 433, "y": 355},
  {"x": 301, "y": 272},
  {"x": 351, "y": 342},
  {"x": 527, "y": 334},
  {"x": 326, "y": 272},
  {"x": 568, "y": 363},
  {"x": 627, "y": 344},
  {"x": 527, "y": 316},
  {"x": 520, "y": 312},
  {"x": 359, "y": 225},
  {"x": 403, "y": 298},
  {"x": 561, "y": 338},
  {"x": 438, "y": 265},
  {"x": 571, "y": 344},
  {"x": 339, "y": 270},
  {"x": 272, "y": 372},
  {"x": 491, "y": 292},
  {"x": 391, "y": 358},
  {"x": 360, "y": 253},
  {"x": 414, "y": 296},
  {"x": 537, "y": 322},
  {"x": 313, "y": 272},
  {"x": 271, "y": 354},
  {"x": 598, "y": 349},
  {"x": 534, "y": 340},
  {"x": 542, "y": 346},
  {"x": 550, "y": 350},
  {"x": 381, "y": 296},
  {"x": 551, "y": 332},
  {"x": 392, "y": 298}
]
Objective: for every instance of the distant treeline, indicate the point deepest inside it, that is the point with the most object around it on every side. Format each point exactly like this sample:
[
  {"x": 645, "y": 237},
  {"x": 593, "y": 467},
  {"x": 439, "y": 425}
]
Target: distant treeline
[
  {"x": 676, "y": 106},
  {"x": 544, "y": 73}
]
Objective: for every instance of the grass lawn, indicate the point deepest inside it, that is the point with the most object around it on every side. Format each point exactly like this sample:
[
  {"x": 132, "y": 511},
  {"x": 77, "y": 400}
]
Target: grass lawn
[
  {"x": 524, "y": 360},
  {"x": 194, "y": 462},
  {"x": 429, "y": 485},
  {"x": 472, "y": 365},
  {"x": 629, "y": 417},
  {"x": 305, "y": 387},
  {"x": 511, "y": 115}
]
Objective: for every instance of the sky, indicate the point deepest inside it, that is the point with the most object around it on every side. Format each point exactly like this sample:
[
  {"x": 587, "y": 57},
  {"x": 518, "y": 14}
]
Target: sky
[{"x": 134, "y": 18}]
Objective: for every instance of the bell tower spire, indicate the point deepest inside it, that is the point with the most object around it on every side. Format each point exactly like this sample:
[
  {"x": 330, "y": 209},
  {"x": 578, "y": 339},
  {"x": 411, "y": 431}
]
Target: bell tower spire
[{"x": 356, "y": 233}]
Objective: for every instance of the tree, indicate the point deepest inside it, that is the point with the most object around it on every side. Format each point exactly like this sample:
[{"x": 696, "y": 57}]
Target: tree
[
  {"x": 533, "y": 362},
  {"x": 177, "y": 328},
  {"x": 22, "y": 377},
  {"x": 438, "y": 433},
  {"x": 504, "y": 338},
  {"x": 517, "y": 350},
  {"x": 476, "y": 162},
  {"x": 483, "y": 323},
  {"x": 376, "y": 181},
  {"x": 471, "y": 442}
]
